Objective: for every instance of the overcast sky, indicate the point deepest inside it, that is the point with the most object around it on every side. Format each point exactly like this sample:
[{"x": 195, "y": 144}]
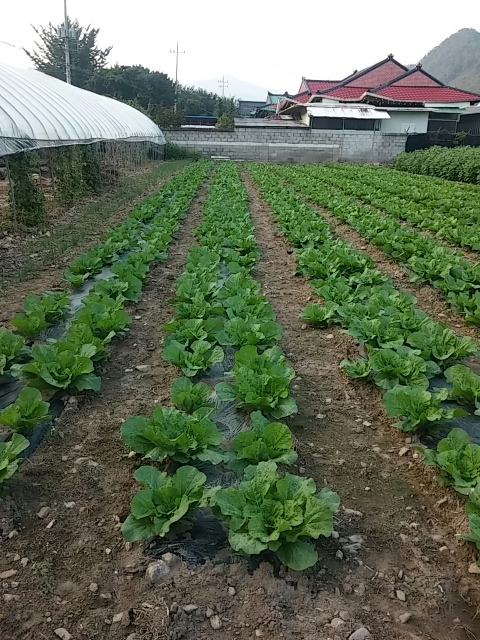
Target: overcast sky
[{"x": 261, "y": 43}]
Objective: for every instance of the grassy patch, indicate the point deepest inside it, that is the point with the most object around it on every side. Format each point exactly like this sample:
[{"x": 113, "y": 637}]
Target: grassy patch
[{"x": 89, "y": 218}]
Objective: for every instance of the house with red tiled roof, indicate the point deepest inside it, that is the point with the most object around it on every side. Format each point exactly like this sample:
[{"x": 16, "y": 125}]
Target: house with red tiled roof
[{"x": 405, "y": 101}]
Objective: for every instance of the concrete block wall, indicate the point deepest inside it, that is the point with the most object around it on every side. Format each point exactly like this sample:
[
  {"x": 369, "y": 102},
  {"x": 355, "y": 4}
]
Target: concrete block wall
[{"x": 291, "y": 145}]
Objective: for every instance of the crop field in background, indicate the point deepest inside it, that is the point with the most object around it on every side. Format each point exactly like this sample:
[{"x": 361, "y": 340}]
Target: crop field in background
[{"x": 251, "y": 409}]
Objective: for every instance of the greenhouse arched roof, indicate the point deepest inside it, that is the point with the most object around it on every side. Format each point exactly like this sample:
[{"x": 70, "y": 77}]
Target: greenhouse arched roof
[{"x": 38, "y": 111}]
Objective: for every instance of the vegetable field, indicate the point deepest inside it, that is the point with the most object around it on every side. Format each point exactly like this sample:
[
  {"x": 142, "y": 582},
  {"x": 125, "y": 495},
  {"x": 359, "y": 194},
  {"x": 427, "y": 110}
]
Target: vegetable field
[{"x": 252, "y": 410}]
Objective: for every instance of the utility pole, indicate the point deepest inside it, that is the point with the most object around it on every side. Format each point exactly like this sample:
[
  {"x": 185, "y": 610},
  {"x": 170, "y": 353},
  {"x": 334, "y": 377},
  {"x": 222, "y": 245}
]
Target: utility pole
[
  {"x": 67, "y": 47},
  {"x": 176, "y": 52},
  {"x": 223, "y": 83}
]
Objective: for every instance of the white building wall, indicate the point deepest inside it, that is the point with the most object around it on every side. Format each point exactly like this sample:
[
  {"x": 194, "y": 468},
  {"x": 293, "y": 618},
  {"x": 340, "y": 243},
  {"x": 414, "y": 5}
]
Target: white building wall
[{"x": 406, "y": 122}]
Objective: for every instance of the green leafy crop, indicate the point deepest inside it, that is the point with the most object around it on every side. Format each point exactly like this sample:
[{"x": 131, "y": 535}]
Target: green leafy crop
[
  {"x": 26, "y": 412},
  {"x": 390, "y": 368},
  {"x": 264, "y": 441},
  {"x": 41, "y": 312},
  {"x": 80, "y": 334},
  {"x": 466, "y": 385},
  {"x": 419, "y": 408},
  {"x": 321, "y": 315},
  {"x": 440, "y": 344},
  {"x": 163, "y": 501},
  {"x": 190, "y": 397},
  {"x": 239, "y": 332},
  {"x": 9, "y": 451},
  {"x": 173, "y": 434},
  {"x": 281, "y": 514},
  {"x": 103, "y": 315},
  {"x": 262, "y": 381},
  {"x": 83, "y": 267},
  {"x": 60, "y": 365},
  {"x": 195, "y": 358},
  {"x": 10, "y": 347},
  {"x": 458, "y": 459}
]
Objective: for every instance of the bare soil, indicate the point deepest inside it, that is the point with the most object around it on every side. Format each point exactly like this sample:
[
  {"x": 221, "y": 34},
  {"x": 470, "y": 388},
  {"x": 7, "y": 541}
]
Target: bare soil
[{"x": 80, "y": 573}]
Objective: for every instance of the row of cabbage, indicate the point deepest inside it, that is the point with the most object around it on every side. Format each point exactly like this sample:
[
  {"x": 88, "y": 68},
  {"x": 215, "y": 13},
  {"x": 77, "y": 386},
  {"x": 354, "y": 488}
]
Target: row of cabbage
[
  {"x": 405, "y": 348},
  {"x": 427, "y": 260},
  {"x": 451, "y": 198},
  {"x": 52, "y": 367},
  {"x": 385, "y": 190},
  {"x": 219, "y": 310},
  {"x": 457, "y": 163}
]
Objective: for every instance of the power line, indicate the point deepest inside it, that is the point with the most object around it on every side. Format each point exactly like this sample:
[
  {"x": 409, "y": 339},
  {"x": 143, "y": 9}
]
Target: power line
[
  {"x": 11, "y": 45},
  {"x": 176, "y": 52}
]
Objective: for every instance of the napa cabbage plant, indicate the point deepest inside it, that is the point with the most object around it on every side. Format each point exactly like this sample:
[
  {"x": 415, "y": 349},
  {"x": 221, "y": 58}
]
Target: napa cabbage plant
[
  {"x": 278, "y": 513},
  {"x": 238, "y": 332},
  {"x": 321, "y": 315},
  {"x": 39, "y": 312},
  {"x": 9, "y": 452},
  {"x": 262, "y": 381},
  {"x": 194, "y": 358},
  {"x": 264, "y": 441},
  {"x": 458, "y": 459},
  {"x": 127, "y": 288},
  {"x": 163, "y": 501},
  {"x": 465, "y": 385},
  {"x": 103, "y": 315},
  {"x": 26, "y": 412},
  {"x": 440, "y": 344},
  {"x": 418, "y": 408},
  {"x": 11, "y": 346},
  {"x": 189, "y": 397},
  {"x": 80, "y": 334},
  {"x": 170, "y": 433},
  {"x": 60, "y": 365},
  {"x": 390, "y": 368},
  {"x": 188, "y": 331},
  {"x": 83, "y": 267}
]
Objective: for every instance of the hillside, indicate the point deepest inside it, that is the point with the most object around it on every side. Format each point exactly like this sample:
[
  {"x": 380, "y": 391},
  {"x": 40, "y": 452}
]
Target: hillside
[
  {"x": 236, "y": 88},
  {"x": 456, "y": 61}
]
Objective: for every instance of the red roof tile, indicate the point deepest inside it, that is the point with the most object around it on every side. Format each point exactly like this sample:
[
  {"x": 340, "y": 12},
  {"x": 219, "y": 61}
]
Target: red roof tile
[
  {"x": 416, "y": 78},
  {"x": 315, "y": 86},
  {"x": 302, "y": 97},
  {"x": 346, "y": 93},
  {"x": 426, "y": 94},
  {"x": 383, "y": 73}
]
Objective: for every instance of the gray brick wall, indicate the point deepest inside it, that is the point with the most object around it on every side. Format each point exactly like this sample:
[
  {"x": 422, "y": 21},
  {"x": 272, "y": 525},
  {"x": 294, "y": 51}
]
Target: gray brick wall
[{"x": 291, "y": 145}]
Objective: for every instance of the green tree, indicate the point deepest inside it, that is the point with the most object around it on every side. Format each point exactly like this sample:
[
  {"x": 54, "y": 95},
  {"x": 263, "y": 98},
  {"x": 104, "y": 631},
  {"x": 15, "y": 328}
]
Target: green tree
[
  {"x": 225, "y": 109},
  {"x": 86, "y": 57},
  {"x": 196, "y": 102},
  {"x": 138, "y": 83}
]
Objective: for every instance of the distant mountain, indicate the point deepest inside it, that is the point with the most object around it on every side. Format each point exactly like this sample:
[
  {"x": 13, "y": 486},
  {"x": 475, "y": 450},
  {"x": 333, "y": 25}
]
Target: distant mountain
[
  {"x": 456, "y": 61},
  {"x": 236, "y": 88}
]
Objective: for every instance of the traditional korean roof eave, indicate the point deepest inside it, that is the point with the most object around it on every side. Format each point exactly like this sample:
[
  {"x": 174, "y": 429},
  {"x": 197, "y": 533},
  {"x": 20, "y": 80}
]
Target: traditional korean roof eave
[{"x": 373, "y": 98}]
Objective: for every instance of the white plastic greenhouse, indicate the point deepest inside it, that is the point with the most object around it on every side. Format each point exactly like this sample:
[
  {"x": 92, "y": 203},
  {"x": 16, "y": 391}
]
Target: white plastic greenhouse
[{"x": 38, "y": 111}]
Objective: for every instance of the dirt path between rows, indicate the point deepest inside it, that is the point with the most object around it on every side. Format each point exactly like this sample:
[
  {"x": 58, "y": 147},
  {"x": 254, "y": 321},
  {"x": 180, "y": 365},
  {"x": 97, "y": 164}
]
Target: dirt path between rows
[
  {"x": 48, "y": 276},
  {"x": 345, "y": 441}
]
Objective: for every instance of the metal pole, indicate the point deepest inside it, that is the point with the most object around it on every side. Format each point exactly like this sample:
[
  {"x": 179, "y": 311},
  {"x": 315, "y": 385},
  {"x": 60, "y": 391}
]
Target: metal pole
[
  {"x": 11, "y": 192},
  {"x": 176, "y": 52},
  {"x": 67, "y": 48}
]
